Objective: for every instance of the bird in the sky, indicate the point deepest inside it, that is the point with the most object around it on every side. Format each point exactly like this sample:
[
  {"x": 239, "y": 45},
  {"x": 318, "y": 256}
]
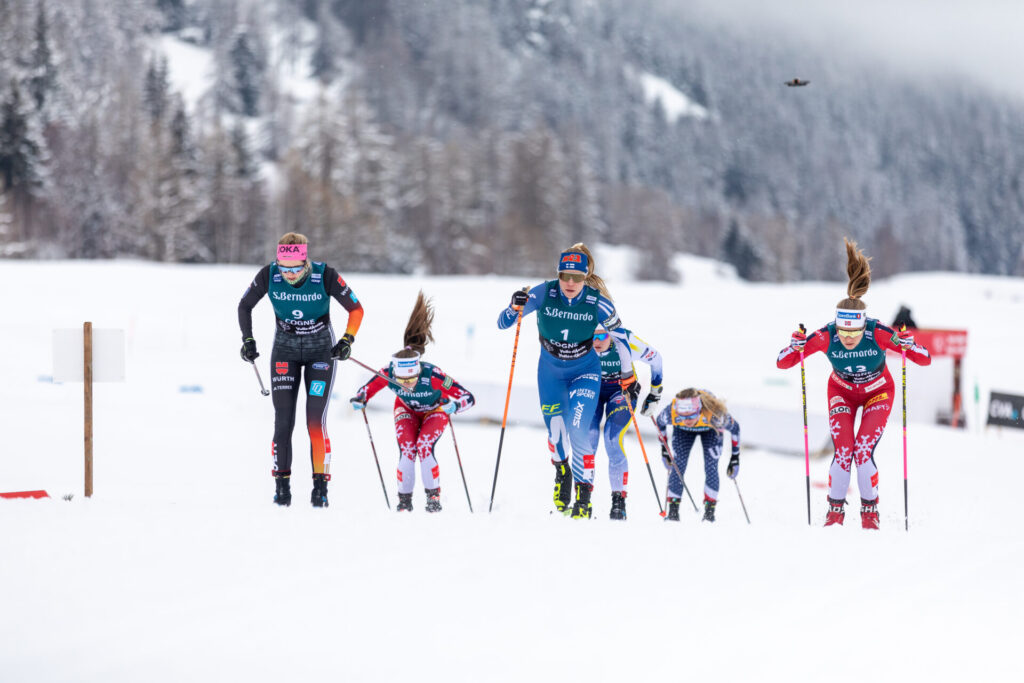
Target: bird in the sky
[{"x": 796, "y": 82}]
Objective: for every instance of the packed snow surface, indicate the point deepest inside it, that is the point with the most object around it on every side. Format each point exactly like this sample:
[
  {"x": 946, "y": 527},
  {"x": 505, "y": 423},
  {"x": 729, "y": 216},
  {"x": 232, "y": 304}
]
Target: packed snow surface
[{"x": 180, "y": 568}]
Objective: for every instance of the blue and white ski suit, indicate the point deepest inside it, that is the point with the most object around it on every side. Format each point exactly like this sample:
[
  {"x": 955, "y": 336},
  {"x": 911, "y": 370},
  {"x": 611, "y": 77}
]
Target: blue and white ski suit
[
  {"x": 709, "y": 428},
  {"x": 569, "y": 370},
  {"x": 611, "y": 404}
]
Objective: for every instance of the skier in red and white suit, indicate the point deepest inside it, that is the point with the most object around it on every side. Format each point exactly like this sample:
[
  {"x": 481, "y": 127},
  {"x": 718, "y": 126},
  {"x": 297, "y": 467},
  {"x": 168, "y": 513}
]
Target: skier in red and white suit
[
  {"x": 425, "y": 400},
  {"x": 855, "y": 345}
]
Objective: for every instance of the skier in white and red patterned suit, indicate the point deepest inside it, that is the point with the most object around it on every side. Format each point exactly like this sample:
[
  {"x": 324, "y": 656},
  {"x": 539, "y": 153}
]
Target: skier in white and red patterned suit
[
  {"x": 425, "y": 398},
  {"x": 855, "y": 345}
]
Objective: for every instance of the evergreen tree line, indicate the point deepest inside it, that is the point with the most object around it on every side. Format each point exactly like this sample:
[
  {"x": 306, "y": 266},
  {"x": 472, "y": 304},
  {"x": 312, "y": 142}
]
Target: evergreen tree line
[{"x": 479, "y": 136}]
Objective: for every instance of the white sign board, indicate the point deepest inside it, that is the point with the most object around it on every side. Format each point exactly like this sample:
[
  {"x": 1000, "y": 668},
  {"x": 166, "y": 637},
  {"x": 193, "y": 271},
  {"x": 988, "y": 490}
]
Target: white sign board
[{"x": 107, "y": 355}]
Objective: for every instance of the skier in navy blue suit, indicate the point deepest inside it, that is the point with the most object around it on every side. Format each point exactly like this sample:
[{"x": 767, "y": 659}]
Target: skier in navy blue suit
[
  {"x": 693, "y": 413},
  {"x": 569, "y": 310},
  {"x": 612, "y": 406}
]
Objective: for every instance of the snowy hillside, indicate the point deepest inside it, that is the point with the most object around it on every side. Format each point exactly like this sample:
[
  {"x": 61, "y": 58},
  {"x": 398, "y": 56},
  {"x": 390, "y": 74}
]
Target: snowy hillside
[{"x": 180, "y": 568}]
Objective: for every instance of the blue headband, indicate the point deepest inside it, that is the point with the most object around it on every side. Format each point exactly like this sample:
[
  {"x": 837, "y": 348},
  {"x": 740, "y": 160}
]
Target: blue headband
[{"x": 573, "y": 261}]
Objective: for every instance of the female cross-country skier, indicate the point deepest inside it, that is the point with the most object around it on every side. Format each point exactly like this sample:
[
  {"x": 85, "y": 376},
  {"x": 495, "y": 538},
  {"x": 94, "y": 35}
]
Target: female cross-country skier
[
  {"x": 425, "y": 399},
  {"x": 304, "y": 343},
  {"x": 855, "y": 345},
  {"x": 569, "y": 310},
  {"x": 611, "y": 405},
  {"x": 693, "y": 413}
]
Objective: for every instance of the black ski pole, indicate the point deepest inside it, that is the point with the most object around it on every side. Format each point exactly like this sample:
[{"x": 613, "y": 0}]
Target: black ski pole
[
  {"x": 263, "y": 390},
  {"x": 451, "y": 426},
  {"x": 672, "y": 461},
  {"x": 374, "y": 449}
]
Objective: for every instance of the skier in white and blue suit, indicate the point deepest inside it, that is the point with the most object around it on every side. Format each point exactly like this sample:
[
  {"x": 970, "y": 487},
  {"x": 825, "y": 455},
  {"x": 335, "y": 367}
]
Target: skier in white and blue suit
[
  {"x": 611, "y": 405},
  {"x": 569, "y": 310}
]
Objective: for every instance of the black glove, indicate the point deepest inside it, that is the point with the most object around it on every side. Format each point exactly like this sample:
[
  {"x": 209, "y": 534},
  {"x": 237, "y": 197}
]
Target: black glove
[
  {"x": 248, "y": 352},
  {"x": 519, "y": 299},
  {"x": 343, "y": 349},
  {"x": 733, "y": 470},
  {"x": 632, "y": 391},
  {"x": 651, "y": 402},
  {"x": 666, "y": 457}
]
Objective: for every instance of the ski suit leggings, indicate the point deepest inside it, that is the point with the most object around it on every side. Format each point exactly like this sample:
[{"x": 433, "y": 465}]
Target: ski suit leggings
[
  {"x": 682, "y": 443},
  {"x": 568, "y": 392},
  {"x": 857, "y": 447},
  {"x": 284, "y": 378},
  {"x": 417, "y": 434},
  {"x": 611, "y": 405}
]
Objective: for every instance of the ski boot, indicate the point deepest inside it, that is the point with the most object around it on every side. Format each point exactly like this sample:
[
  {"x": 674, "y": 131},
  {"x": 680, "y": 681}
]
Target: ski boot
[
  {"x": 709, "y": 510},
  {"x": 319, "y": 497},
  {"x": 581, "y": 508},
  {"x": 283, "y": 495},
  {"x": 836, "y": 514},
  {"x": 869, "y": 513},
  {"x": 433, "y": 500},
  {"x": 404, "y": 502},
  {"x": 673, "y": 509},
  {"x": 563, "y": 487},
  {"x": 618, "y": 505}
]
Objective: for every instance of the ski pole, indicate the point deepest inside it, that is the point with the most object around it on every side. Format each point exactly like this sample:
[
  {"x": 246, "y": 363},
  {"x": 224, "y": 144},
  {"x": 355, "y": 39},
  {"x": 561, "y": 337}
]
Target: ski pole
[
  {"x": 741, "y": 500},
  {"x": 504, "y": 417},
  {"x": 672, "y": 461},
  {"x": 451, "y": 426},
  {"x": 906, "y": 514},
  {"x": 383, "y": 377},
  {"x": 259, "y": 379},
  {"x": 374, "y": 449},
  {"x": 632, "y": 416},
  {"x": 807, "y": 447}
]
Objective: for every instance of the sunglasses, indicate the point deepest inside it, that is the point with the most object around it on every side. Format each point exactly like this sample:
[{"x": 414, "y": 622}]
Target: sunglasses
[
  {"x": 295, "y": 269},
  {"x": 600, "y": 336},
  {"x": 850, "y": 334},
  {"x": 572, "y": 277}
]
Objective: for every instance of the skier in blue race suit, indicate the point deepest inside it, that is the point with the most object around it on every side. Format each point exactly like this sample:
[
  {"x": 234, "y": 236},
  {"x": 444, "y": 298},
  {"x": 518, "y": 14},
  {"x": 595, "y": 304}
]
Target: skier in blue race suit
[
  {"x": 611, "y": 405},
  {"x": 693, "y": 413},
  {"x": 569, "y": 309}
]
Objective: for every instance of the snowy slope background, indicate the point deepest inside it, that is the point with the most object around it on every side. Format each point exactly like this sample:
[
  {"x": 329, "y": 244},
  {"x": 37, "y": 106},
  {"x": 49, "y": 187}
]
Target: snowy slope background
[{"x": 179, "y": 567}]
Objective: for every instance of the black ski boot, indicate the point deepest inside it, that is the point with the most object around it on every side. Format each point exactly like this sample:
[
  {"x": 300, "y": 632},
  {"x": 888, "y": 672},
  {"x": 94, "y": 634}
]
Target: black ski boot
[
  {"x": 618, "y": 505},
  {"x": 709, "y": 510},
  {"x": 319, "y": 497},
  {"x": 563, "y": 487},
  {"x": 581, "y": 508},
  {"x": 673, "y": 509},
  {"x": 283, "y": 495},
  {"x": 404, "y": 502},
  {"x": 433, "y": 499}
]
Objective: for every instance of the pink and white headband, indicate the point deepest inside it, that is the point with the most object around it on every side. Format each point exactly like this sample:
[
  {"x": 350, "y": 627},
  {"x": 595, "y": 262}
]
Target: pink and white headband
[{"x": 291, "y": 252}]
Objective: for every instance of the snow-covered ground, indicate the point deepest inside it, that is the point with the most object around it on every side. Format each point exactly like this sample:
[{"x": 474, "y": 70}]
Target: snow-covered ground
[{"x": 180, "y": 568}]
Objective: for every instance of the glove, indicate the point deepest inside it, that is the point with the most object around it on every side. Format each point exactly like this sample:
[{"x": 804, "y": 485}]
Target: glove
[
  {"x": 797, "y": 341},
  {"x": 343, "y": 349},
  {"x": 905, "y": 339},
  {"x": 631, "y": 388},
  {"x": 519, "y": 299},
  {"x": 358, "y": 403},
  {"x": 248, "y": 352},
  {"x": 651, "y": 402},
  {"x": 733, "y": 470},
  {"x": 449, "y": 407},
  {"x": 666, "y": 457}
]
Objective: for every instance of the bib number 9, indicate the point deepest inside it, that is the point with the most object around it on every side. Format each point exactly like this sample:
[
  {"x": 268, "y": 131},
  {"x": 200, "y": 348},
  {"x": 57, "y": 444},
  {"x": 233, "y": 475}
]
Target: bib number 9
[{"x": 297, "y": 314}]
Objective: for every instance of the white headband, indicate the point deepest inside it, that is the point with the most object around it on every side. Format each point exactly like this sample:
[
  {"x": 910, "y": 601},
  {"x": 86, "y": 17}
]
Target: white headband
[
  {"x": 405, "y": 367},
  {"x": 687, "y": 406},
  {"x": 849, "y": 319}
]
